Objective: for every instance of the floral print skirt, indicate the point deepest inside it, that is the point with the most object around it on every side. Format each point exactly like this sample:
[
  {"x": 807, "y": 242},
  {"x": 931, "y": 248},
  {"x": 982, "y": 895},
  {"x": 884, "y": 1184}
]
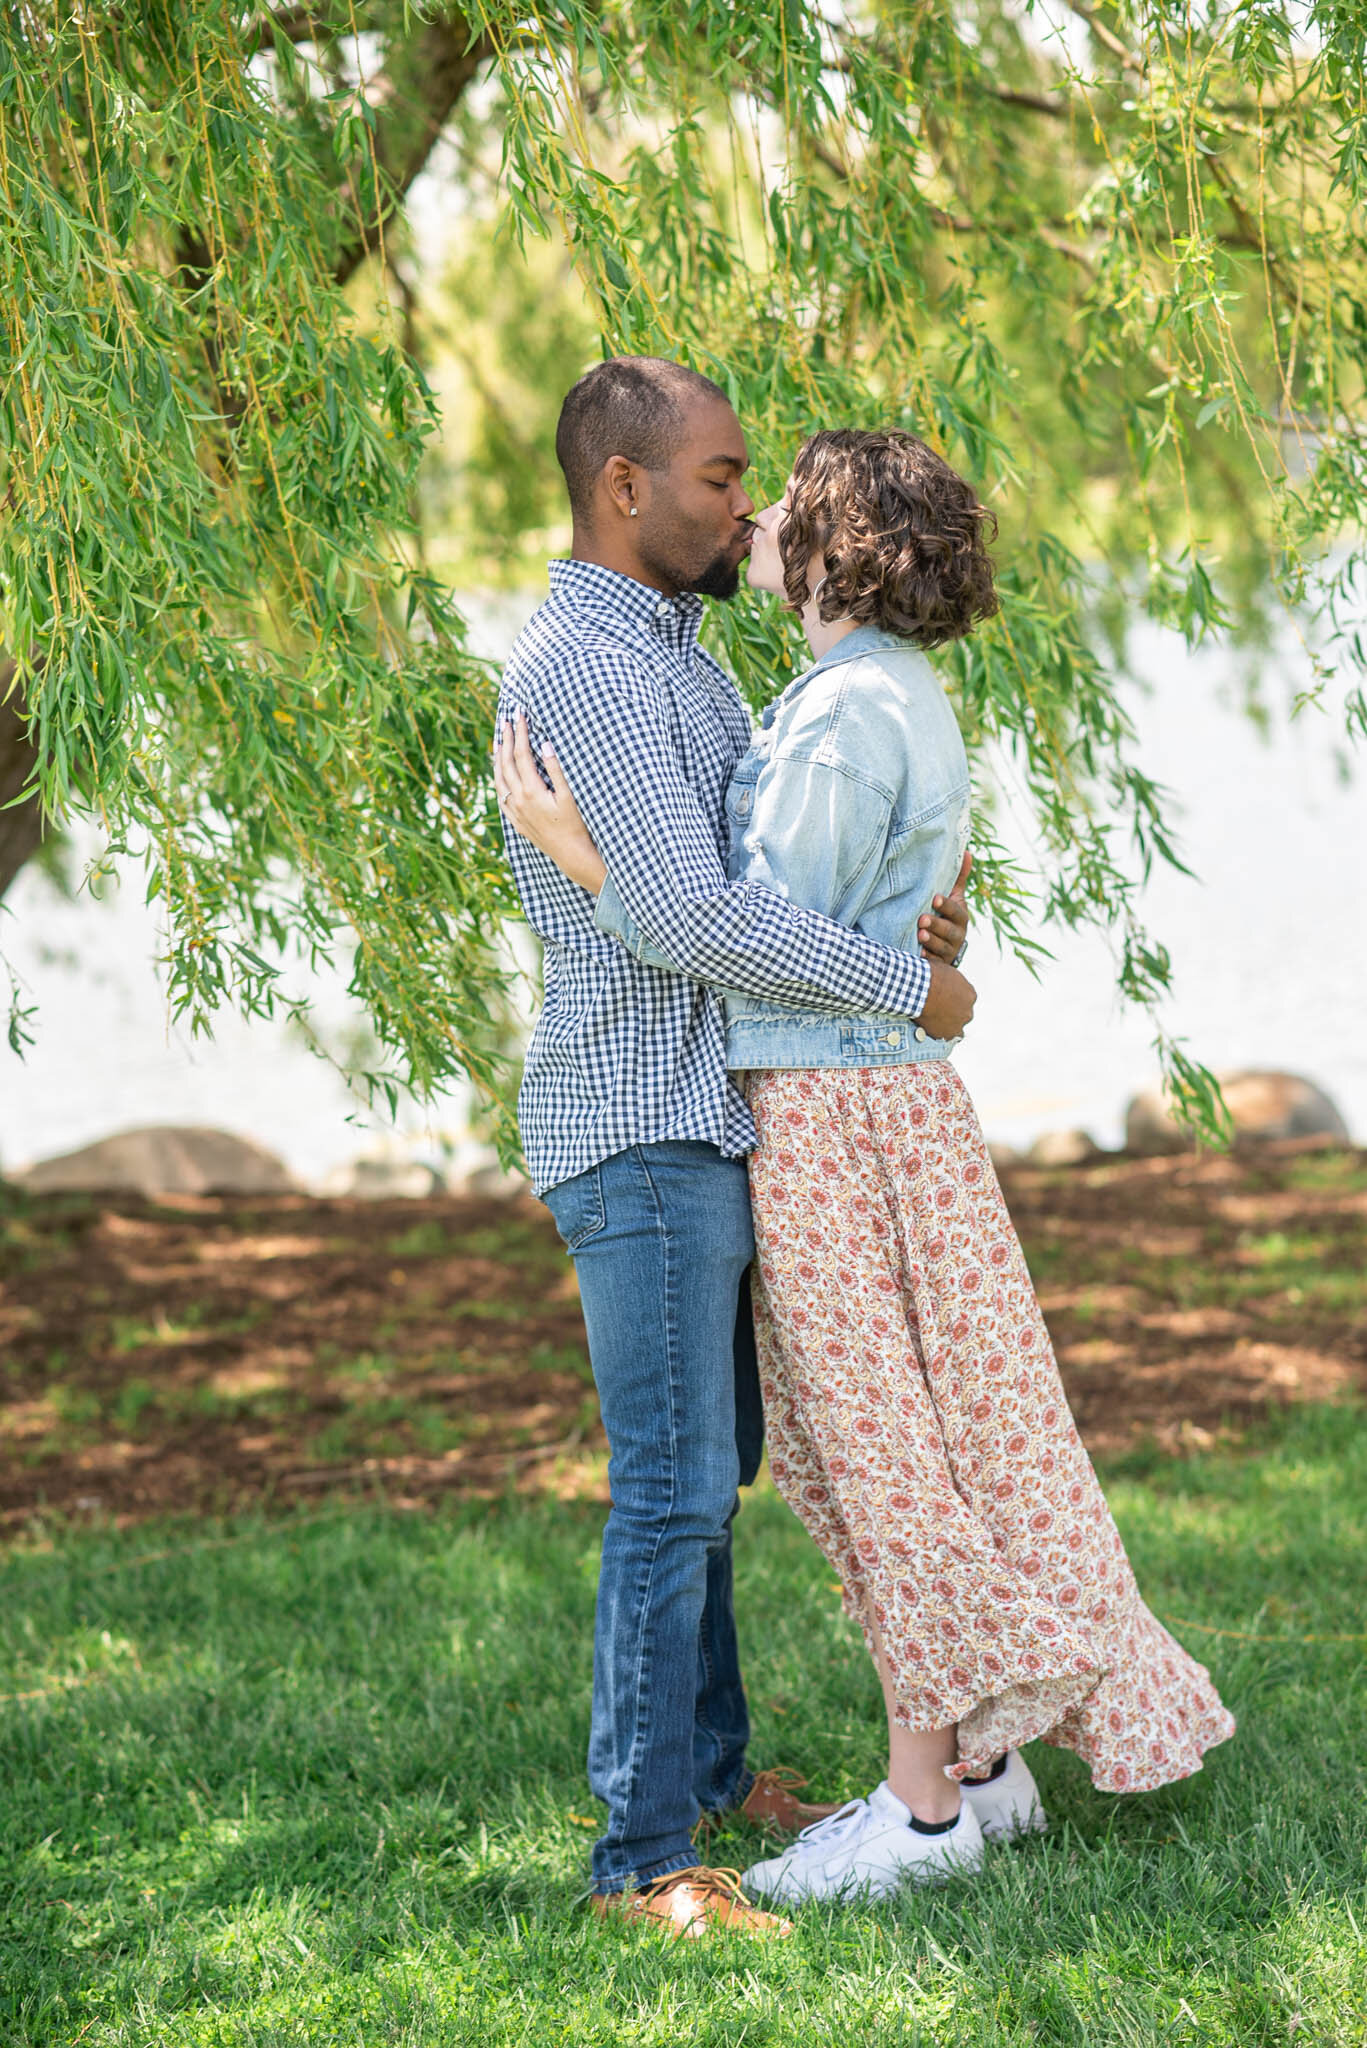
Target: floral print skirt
[{"x": 918, "y": 1426}]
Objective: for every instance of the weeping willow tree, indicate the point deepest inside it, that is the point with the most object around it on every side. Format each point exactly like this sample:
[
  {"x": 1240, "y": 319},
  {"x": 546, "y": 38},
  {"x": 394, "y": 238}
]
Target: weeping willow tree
[{"x": 1109, "y": 259}]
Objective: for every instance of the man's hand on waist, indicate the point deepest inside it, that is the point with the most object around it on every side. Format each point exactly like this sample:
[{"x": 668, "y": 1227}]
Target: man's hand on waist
[{"x": 949, "y": 1007}]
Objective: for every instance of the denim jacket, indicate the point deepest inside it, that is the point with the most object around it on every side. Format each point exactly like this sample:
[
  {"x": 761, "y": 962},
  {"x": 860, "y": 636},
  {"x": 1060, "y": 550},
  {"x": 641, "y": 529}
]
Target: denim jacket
[{"x": 852, "y": 800}]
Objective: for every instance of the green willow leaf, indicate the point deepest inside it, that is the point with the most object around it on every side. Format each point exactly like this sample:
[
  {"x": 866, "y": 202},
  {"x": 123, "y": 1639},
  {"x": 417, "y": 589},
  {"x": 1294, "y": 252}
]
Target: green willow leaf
[{"x": 1120, "y": 281}]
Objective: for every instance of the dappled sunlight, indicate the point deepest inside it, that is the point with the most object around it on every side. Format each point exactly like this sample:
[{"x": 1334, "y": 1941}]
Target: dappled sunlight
[
  {"x": 218, "y": 1352},
  {"x": 230, "y": 1350},
  {"x": 338, "y": 1768},
  {"x": 1172, "y": 1315},
  {"x": 248, "y": 1249}
]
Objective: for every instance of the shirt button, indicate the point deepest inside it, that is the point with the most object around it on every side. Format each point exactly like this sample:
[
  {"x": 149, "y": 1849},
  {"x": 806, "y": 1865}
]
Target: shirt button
[{"x": 920, "y": 1034}]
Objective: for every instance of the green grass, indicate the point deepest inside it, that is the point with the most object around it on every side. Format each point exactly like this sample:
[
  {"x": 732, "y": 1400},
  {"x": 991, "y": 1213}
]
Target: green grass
[{"x": 321, "y": 1782}]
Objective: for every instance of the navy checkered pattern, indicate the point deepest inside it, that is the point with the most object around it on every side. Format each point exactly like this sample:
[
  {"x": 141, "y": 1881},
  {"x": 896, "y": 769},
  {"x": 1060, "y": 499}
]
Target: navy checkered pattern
[{"x": 648, "y": 730}]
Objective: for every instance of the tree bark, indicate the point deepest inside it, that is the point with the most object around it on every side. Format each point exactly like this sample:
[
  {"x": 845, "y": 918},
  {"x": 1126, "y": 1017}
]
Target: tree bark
[{"x": 21, "y": 829}]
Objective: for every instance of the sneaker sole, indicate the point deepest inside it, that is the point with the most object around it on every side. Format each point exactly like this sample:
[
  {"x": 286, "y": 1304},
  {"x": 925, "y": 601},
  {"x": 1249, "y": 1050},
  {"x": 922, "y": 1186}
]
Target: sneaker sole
[{"x": 866, "y": 1889}]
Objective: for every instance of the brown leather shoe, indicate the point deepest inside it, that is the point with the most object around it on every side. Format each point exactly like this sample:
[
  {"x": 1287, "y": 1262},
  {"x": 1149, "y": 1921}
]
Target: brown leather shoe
[
  {"x": 772, "y": 1803},
  {"x": 690, "y": 1903}
]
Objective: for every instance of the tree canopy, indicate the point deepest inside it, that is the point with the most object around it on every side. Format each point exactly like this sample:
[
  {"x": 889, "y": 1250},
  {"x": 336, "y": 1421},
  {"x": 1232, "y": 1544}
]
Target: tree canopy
[{"x": 1109, "y": 258}]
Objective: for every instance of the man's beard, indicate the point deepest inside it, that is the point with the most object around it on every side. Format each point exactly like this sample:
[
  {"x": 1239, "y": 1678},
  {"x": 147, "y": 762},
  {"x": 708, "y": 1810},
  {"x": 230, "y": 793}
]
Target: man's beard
[
  {"x": 671, "y": 552},
  {"x": 721, "y": 577}
]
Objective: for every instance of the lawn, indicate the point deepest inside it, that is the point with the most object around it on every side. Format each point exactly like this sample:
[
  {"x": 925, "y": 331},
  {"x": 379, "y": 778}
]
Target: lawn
[
  {"x": 320, "y": 1780},
  {"x": 316, "y": 1775}
]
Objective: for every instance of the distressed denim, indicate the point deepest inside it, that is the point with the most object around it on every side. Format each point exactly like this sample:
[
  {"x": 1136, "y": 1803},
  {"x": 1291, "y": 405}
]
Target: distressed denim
[{"x": 661, "y": 1239}]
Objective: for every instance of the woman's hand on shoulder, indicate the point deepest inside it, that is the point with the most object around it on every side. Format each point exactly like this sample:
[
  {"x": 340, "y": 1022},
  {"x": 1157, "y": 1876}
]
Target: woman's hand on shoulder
[
  {"x": 549, "y": 817},
  {"x": 943, "y": 929}
]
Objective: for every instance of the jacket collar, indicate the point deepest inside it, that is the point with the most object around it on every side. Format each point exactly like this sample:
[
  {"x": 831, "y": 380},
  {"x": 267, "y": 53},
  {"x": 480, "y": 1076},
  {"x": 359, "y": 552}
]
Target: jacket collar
[{"x": 863, "y": 640}]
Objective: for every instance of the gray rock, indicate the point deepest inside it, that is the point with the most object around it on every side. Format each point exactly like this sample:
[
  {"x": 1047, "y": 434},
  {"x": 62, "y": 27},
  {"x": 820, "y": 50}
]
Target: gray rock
[
  {"x": 494, "y": 1184},
  {"x": 381, "y": 1177},
  {"x": 1148, "y": 1126},
  {"x": 1263, "y": 1106},
  {"x": 162, "y": 1159},
  {"x": 1064, "y": 1148}
]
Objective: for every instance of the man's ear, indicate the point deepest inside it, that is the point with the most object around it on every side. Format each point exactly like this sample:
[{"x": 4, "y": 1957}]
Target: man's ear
[{"x": 622, "y": 481}]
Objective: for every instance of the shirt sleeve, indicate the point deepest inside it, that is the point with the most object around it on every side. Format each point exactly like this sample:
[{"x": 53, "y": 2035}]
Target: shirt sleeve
[
  {"x": 610, "y": 724},
  {"x": 816, "y": 835}
]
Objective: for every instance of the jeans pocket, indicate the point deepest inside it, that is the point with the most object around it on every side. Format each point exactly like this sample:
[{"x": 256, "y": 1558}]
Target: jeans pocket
[{"x": 577, "y": 1207}]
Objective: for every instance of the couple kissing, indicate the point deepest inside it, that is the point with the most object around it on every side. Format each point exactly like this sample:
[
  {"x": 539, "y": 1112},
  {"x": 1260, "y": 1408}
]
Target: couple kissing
[{"x": 740, "y": 1104}]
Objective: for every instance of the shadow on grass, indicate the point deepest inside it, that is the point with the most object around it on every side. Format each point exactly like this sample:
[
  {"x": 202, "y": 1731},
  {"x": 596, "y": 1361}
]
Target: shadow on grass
[{"x": 327, "y": 1777}]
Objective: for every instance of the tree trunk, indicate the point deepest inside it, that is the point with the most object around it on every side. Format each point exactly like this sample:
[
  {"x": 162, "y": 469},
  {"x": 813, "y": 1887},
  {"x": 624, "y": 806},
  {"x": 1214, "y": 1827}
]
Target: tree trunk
[{"x": 21, "y": 828}]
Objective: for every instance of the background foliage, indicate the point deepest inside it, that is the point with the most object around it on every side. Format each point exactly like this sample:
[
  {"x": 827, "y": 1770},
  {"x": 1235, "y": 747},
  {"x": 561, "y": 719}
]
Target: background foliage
[{"x": 1109, "y": 258}]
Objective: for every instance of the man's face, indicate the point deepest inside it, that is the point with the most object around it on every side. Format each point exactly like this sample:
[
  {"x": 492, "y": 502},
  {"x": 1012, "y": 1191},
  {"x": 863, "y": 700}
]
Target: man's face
[{"x": 695, "y": 516}]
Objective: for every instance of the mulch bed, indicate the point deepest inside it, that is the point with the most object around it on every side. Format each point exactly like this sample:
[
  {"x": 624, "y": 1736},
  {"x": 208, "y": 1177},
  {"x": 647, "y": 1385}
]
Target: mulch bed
[
  {"x": 1188, "y": 1296},
  {"x": 213, "y": 1354}
]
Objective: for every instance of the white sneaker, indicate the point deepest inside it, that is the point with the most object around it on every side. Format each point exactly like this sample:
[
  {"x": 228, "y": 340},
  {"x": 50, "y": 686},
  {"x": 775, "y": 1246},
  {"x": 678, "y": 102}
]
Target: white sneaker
[
  {"x": 1009, "y": 1806},
  {"x": 868, "y": 1848}
]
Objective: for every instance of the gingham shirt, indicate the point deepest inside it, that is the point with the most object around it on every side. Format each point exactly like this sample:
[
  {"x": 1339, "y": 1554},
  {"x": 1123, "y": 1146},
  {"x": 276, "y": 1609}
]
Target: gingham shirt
[{"x": 648, "y": 729}]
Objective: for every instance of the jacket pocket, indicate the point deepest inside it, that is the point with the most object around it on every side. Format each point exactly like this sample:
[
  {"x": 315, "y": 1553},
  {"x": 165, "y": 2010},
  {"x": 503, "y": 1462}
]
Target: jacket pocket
[
  {"x": 577, "y": 1207},
  {"x": 739, "y": 800},
  {"x": 871, "y": 1042}
]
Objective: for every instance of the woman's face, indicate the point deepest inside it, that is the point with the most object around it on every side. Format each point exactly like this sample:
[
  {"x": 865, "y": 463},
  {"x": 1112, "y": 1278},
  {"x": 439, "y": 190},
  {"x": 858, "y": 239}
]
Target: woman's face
[{"x": 764, "y": 570}]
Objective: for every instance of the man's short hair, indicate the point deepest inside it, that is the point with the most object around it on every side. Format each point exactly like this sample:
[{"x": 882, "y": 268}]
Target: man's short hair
[{"x": 629, "y": 405}]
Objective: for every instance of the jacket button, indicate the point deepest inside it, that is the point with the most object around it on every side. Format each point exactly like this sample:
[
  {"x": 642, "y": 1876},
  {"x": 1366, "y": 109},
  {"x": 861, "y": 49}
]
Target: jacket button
[
  {"x": 920, "y": 1034},
  {"x": 893, "y": 1038}
]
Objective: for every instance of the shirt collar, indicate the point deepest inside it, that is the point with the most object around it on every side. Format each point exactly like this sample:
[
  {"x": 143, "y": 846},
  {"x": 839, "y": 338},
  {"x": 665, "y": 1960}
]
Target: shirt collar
[{"x": 588, "y": 586}]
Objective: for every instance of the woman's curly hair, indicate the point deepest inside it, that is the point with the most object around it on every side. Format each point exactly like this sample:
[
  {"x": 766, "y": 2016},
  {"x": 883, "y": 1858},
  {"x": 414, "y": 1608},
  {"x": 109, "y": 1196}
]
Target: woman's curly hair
[{"x": 905, "y": 539}]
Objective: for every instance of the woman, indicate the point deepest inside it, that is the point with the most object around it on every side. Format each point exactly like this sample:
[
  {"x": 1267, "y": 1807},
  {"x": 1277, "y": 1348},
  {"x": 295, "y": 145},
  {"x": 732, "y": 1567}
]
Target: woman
[{"x": 915, "y": 1416}]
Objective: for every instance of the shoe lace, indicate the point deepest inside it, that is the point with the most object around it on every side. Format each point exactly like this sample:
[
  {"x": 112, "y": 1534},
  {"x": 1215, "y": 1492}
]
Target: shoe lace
[
  {"x": 836, "y": 1826},
  {"x": 706, "y": 1877},
  {"x": 779, "y": 1779}
]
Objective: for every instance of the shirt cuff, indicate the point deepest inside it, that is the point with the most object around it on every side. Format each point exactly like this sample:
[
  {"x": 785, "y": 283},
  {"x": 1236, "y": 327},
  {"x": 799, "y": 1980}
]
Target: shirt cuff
[
  {"x": 911, "y": 988},
  {"x": 611, "y": 915}
]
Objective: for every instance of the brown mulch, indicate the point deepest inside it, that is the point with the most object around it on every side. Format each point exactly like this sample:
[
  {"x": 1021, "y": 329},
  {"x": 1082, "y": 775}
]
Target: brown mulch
[
  {"x": 217, "y": 1353},
  {"x": 213, "y": 1353},
  {"x": 1188, "y": 1296}
]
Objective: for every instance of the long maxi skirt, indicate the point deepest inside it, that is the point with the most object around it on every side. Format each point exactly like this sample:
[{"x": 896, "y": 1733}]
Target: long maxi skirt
[{"x": 918, "y": 1426}]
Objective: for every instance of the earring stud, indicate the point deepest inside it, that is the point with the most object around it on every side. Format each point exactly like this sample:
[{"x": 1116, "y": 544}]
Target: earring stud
[{"x": 634, "y": 510}]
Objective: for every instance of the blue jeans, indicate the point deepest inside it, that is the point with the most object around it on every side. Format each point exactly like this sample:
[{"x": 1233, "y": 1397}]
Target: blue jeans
[{"x": 662, "y": 1241}]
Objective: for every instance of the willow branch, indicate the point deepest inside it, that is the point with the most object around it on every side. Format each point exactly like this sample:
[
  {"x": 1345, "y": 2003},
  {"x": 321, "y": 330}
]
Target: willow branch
[
  {"x": 415, "y": 94},
  {"x": 1033, "y": 102},
  {"x": 1105, "y": 36}
]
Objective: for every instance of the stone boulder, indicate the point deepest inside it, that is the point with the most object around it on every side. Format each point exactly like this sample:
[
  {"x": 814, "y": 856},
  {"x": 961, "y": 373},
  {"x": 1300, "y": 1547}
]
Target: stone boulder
[
  {"x": 383, "y": 1177},
  {"x": 162, "y": 1159},
  {"x": 495, "y": 1183},
  {"x": 393, "y": 1176},
  {"x": 1064, "y": 1148},
  {"x": 1263, "y": 1106}
]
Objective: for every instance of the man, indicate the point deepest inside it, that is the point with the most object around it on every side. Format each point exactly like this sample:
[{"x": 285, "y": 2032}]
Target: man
[{"x": 634, "y": 1135}]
